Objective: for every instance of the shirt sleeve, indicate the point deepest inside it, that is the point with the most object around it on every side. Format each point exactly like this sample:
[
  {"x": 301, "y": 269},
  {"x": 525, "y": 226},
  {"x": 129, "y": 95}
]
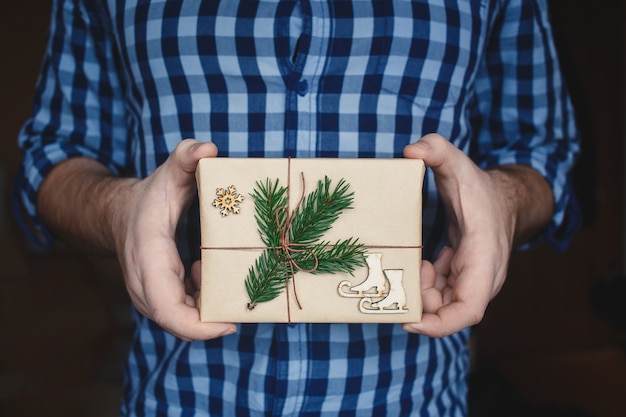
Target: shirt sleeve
[
  {"x": 78, "y": 107},
  {"x": 524, "y": 114}
]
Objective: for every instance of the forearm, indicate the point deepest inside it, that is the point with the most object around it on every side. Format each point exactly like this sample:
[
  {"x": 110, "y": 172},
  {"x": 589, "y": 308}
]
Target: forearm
[
  {"x": 82, "y": 203},
  {"x": 528, "y": 198}
]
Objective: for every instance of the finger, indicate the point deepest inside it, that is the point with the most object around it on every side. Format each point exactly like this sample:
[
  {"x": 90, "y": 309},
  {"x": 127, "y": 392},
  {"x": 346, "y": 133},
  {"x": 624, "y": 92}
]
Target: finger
[
  {"x": 176, "y": 311},
  {"x": 190, "y": 287},
  {"x": 443, "y": 267},
  {"x": 166, "y": 300},
  {"x": 196, "y": 274},
  {"x": 443, "y": 262},
  {"x": 432, "y": 300},
  {"x": 171, "y": 307},
  {"x": 427, "y": 275},
  {"x": 431, "y": 296},
  {"x": 447, "y": 161},
  {"x": 193, "y": 285},
  {"x": 184, "y": 322},
  {"x": 190, "y": 300},
  {"x": 431, "y": 148},
  {"x": 435, "y": 280},
  {"x": 189, "y": 152},
  {"x": 453, "y": 309},
  {"x": 449, "y": 319},
  {"x": 450, "y": 308}
]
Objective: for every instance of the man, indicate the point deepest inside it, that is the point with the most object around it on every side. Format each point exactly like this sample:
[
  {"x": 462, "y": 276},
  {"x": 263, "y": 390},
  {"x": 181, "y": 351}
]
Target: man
[{"x": 105, "y": 167}]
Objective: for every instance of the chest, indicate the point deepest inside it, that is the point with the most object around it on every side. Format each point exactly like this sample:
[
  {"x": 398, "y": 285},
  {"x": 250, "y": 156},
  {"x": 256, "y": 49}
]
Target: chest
[{"x": 400, "y": 47}]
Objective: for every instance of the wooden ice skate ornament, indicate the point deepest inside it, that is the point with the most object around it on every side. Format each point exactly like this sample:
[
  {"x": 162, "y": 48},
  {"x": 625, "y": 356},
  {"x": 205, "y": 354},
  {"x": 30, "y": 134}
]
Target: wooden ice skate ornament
[
  {"x": 318, "y": 240},
  {"x": 382, "y": 291}
]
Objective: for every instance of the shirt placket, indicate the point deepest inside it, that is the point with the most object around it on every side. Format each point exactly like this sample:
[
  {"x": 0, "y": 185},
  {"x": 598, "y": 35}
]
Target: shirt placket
[
  {"x": 302, "y": 81},
  {"x": 292, "y": 369},
  {"x": 300, "y": 141}
]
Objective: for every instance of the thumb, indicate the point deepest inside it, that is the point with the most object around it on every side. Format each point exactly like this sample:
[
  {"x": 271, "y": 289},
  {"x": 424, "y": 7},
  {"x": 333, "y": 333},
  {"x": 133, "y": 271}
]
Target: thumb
[
  {"x": 436, "y": 152},
  {"x": 189, "y": 152}
]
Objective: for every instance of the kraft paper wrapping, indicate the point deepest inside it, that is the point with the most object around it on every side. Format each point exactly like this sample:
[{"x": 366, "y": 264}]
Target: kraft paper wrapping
[{"x": 386, "y": 217}]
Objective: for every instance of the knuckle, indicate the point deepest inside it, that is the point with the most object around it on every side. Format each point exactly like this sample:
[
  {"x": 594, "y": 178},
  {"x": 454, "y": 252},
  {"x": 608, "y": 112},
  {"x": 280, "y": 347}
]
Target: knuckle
[
  {"x": 439, "y": 333},
  {"x": 157, "y": 315},
  {"x": 476, "y": 316}
]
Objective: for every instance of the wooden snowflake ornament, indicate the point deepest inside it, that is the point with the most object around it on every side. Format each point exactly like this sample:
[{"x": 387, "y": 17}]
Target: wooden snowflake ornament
[{"x": 227, "y": 200}]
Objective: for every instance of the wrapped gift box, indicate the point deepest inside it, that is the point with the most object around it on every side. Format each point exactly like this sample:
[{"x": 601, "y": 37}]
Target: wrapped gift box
[{"x": 384, "y": 218}]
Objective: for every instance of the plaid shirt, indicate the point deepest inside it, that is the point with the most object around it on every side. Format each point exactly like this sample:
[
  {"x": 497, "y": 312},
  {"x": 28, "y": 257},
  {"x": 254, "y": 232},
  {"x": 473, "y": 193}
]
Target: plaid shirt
[{"x": 124, "y": 81}]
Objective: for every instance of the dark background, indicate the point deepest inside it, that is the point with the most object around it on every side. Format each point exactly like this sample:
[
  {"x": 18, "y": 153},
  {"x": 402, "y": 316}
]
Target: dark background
[{"x": 552, "y": 343}]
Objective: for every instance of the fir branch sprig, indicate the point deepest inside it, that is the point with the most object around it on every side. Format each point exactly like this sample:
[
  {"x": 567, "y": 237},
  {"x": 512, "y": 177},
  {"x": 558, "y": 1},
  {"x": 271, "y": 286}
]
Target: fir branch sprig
[
  {"x": 305, "y": 226},
  {"x": 266, "y": 278},
  {"x": 319, "y": 210},
  {"x": 268, "y": 199},
  {"x": 342, "y": 256}
]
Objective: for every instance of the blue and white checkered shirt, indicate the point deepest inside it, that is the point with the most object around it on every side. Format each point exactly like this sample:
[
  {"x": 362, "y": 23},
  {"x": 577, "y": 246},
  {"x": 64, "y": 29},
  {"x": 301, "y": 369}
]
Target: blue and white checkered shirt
[{"x": 124, "y": 81}]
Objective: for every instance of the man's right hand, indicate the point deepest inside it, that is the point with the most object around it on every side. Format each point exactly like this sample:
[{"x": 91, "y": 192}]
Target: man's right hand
[{"x": 84, "y": 204}]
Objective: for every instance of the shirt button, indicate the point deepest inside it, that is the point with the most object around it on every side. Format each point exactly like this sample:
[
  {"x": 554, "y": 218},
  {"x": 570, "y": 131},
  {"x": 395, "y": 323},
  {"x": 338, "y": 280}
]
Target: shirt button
[{"x": 302, "y": 88}]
